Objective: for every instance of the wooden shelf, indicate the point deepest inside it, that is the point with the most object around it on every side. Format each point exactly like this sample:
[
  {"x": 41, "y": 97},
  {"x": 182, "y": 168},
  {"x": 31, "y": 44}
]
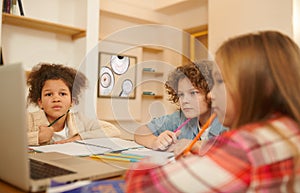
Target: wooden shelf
[
  {"x": 27, "y": 22},
  {"x": 155, "y": 49}
]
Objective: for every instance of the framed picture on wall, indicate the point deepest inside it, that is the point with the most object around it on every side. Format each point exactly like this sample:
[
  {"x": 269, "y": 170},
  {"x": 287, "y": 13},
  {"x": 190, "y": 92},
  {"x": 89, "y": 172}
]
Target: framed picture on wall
[{"x": 116, "y": 75}]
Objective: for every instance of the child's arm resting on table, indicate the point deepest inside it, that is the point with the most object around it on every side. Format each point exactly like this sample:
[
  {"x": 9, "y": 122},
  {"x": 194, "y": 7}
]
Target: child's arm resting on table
[{"x": 145, "y": 137}]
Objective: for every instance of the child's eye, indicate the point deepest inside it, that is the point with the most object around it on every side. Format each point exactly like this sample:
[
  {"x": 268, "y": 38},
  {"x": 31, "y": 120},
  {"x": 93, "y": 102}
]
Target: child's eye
[
  {"x": 194, "y": 92},
  {"x": 219, "y": 81},
  {"x": 48, "y": 94},
  {"x": 180, "y": 95},
  {"x": 63, "y": 94}
]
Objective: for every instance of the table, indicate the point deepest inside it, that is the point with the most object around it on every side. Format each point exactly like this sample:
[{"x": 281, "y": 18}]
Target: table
[{"x": 7, "y": 188}]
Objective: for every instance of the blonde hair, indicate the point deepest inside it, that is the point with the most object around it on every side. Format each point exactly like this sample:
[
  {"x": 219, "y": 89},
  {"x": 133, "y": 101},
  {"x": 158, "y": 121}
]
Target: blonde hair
[{"x": 263, "y": 74}]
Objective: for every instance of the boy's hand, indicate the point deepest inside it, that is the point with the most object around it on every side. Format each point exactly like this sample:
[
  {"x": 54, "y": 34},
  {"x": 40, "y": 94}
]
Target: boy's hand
[{"x": 165, "y": 139}]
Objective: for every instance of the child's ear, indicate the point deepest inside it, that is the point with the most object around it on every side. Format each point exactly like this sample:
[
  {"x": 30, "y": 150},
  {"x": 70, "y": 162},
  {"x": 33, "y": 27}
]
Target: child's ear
[
  {"x": 40, "y": 104},
  {"x": 209, "y": 95},
  {"x": 72, "y": 103},
  {"x": 208, "y": 98}
]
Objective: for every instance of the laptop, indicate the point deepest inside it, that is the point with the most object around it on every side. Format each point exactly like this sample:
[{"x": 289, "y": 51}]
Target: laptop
[{"x": 15, "y": 159}]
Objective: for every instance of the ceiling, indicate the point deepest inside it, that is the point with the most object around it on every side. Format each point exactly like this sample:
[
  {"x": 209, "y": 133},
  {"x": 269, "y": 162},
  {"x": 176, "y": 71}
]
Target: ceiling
[
  {"x": 170, "y": 12},
  {"x": 167, "y": 7}
]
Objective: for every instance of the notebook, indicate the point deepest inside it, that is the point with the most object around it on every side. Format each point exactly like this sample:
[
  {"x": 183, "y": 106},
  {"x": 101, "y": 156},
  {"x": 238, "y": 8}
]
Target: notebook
[{"x": 14, "y": 167}]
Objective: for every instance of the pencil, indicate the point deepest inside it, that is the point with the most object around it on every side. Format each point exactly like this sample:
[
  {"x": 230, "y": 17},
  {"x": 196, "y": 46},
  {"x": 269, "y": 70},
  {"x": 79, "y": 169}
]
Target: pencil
[
  {"x": 205, "y": 126},
  {"x": 183, "y": 124},
  {"x": 125, "y": 155},
  {"x": 57, "y": 119},
  {"x": 115, "y": 158}
]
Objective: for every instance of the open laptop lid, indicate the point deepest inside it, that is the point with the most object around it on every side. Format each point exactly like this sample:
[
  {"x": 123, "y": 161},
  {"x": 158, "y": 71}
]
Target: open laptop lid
[
  {"x": 14, "y": 167},
  {"x": 13, "y": 126}
]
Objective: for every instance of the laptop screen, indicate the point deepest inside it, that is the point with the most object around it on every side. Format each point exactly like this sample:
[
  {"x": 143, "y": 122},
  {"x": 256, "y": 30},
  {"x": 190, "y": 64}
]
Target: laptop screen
[{"x": 13, "y": 143}]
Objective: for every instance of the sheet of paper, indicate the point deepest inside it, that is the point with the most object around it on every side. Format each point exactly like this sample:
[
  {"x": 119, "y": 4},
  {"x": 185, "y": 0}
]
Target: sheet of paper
[
  {"x": 89, "y": 146},
  {"x": 72, "y": 148},
  {"x": 158, "y": 157},
  {"x": 114, "y": 144}
]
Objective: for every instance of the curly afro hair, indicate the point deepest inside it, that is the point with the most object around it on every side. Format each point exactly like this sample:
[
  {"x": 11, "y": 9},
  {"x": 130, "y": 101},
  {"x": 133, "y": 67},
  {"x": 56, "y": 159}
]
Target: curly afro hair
[{"x": 44, "y": 71}]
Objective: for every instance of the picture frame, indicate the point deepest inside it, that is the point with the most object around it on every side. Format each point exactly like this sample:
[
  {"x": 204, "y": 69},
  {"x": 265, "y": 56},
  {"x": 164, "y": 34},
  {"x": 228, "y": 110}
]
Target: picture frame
[{"x": 117, "y": 75}]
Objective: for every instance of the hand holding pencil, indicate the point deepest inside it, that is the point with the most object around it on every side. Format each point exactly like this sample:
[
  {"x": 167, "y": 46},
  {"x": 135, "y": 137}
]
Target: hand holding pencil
[
  {"x": 168, "y": 138},
  {"x": 205, "y": 126},
  {"x": 164, "y": 140},
  {"x": 46, "y": 132}
]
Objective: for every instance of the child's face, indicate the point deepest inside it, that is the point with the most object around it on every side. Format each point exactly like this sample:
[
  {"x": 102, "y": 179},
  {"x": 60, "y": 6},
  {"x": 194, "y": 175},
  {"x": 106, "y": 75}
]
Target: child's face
[
  {"x": 55, "y": 98},
  {"x": 191, "y": 100},
  {"x": 222, "y": 101}
]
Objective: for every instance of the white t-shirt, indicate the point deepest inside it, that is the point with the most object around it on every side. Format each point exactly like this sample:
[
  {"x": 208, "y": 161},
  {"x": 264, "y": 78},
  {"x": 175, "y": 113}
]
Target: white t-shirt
[{"x": 60, "y": 135}]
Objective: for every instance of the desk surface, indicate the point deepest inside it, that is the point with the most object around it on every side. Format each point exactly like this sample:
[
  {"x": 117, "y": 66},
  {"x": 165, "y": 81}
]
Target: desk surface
[{"x": 7, "y": 188}]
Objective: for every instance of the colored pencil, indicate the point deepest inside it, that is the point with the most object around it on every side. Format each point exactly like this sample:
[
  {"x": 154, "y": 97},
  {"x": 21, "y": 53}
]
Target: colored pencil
[
  {"x": 183, "y": 124},
  {"x": 125, "y": 155},
  {"x": 205, "y": 126},
  {"x": 106, "y": 157}
]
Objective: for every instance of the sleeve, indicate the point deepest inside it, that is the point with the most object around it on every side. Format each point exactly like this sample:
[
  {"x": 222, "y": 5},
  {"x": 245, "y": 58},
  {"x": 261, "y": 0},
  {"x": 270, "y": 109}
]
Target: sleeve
[
  {"x": 94, "y": 128},
  {"x": 212, "y": 173},
  {"x": 32, "y": 131},
  {"x": 163, "y": 123},
  {"x": 34, "y": 121}
]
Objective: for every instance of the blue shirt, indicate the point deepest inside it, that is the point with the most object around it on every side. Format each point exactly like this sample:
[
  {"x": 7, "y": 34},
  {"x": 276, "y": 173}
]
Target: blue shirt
[{"x": 189, "y": 131}]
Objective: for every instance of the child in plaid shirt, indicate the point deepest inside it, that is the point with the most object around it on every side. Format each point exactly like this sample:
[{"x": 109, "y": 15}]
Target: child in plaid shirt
[{"x": 255, "y": 94}]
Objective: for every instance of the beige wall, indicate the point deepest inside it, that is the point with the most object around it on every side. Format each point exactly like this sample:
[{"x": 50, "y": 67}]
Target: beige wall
[
  {"x": 119, "y": 14},
  {"x": 296, "y": 20},
  {"x": 117, "y": 22},
  {"x": 228, "y": 18}
]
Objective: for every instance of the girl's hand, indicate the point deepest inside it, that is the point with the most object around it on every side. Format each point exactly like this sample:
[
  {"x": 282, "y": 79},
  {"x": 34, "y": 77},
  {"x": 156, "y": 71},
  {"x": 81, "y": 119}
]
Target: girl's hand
[
  {"x": 164, "y": 140},
  {"x": 182, "y": 144},
  {"x": 74, "y": 138},
  {"x": 45, "y": 134}
]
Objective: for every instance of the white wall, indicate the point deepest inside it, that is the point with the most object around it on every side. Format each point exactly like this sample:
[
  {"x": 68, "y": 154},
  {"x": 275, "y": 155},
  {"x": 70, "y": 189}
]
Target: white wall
[
  {"x": 32, "y": 46},
  {"x": 90, "y": 64},
  {"x": 228, "y": 18}
]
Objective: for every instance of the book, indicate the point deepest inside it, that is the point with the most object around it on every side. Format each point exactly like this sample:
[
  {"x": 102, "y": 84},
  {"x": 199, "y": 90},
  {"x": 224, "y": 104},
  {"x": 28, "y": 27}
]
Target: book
[
  {"x": 7, "y": 6},
  {"x": 148, "y": 69},
  {"x": 14, "y": 7},
  {"x": 21, "y": 7},
  {"x": 4, "y": 4},
  {"x": 103, "y": 186},
  {"x": 148, "y": 93}
]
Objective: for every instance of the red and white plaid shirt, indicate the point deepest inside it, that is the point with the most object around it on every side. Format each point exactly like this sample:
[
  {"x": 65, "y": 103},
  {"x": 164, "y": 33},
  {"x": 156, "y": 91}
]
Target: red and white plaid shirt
[{"x": 259, "y": 157}]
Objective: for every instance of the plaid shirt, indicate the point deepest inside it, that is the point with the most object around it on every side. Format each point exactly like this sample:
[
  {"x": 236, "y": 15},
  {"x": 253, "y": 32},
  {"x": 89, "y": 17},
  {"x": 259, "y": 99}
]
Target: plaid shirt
[{"x": 259, "y": 157}]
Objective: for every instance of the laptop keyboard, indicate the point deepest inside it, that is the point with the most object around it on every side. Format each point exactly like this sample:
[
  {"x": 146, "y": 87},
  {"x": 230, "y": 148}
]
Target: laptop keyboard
[{"x": 40, "y": 170}]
